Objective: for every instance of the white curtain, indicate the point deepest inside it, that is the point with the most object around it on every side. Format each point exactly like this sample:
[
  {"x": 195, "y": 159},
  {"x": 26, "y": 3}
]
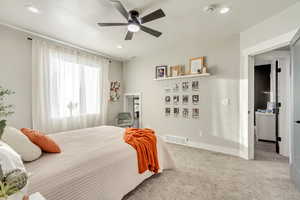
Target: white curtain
[{"x": 70, "y": 88}]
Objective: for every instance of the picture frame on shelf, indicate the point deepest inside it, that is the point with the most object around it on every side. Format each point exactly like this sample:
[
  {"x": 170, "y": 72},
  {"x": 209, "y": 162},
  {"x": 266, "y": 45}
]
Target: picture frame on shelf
[
  {"x": 196, "y": 65},
  {"x": 176, "y": 70},
  {"x": 161, "y": 72}
]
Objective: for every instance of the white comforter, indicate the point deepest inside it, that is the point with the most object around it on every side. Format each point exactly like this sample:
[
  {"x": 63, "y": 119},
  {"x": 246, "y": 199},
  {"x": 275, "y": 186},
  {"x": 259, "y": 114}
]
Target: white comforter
[{"x": 95, "y": 164}]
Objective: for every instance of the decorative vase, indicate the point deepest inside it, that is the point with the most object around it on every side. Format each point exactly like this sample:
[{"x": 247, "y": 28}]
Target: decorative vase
[
  {"x": 18, "y": 196},
  {"x": 204, "y": 70},
  {"x": 2, "y": 127}
]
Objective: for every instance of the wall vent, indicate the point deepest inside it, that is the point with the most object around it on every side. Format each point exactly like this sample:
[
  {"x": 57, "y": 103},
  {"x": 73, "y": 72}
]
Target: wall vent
[{"x": 176, "y": 139}]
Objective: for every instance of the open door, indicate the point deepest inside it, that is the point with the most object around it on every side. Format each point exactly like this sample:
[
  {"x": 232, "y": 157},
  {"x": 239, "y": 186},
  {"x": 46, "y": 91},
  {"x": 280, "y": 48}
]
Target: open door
[
  {"x": 277, "y": 107},
  {"x": 295, "y": 137}
]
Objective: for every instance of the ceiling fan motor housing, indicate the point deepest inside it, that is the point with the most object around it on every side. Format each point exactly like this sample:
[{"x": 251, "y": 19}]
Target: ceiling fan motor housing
[
  {"x": 133, "y": 14},
  {"x": 135, "y": 23}
]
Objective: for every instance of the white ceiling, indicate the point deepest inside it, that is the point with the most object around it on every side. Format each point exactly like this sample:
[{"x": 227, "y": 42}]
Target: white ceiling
[{"x": 75, "y": 21}]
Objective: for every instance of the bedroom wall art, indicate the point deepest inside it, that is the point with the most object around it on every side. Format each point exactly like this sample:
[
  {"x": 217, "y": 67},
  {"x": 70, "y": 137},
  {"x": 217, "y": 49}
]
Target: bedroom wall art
[
  {"x": 176, "y": 99},
  {"x": 195, "y": 113},
  {"x": 168, "y": 100},
  {"x": 167, "y": 112},
  {"x": 176, "y": 112},
  {"x": 185, "y": 113},
  {"x": 182, "y": 99},
  {"x": 115, "y": 93}
]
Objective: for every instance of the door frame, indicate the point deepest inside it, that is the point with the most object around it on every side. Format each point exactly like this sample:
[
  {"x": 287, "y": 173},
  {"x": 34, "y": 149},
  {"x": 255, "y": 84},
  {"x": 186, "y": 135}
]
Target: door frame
[
  {"x": 295, "y": 175},
  {"x": 139, "y": 94},
  {"x": 247, "y": 90}
]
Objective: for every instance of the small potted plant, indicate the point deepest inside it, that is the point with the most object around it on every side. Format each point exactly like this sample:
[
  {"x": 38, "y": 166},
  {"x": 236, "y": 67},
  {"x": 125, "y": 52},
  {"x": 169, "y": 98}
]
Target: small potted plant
[
  {"x": 12, "y": 183},
  {"x": 5, "y": 110}
]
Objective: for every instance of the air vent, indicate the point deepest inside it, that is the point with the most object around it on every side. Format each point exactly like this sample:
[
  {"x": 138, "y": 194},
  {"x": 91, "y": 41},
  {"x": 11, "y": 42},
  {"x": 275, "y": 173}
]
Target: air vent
[{"x": 176, "y": 139}]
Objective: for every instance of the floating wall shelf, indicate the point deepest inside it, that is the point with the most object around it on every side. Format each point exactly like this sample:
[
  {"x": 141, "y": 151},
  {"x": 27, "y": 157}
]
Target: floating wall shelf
[{"x": 185, "y": 76}]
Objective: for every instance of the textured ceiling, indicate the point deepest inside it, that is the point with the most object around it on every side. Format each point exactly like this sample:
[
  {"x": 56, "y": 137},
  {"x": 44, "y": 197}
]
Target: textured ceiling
[{"x": 75, "y": 21}]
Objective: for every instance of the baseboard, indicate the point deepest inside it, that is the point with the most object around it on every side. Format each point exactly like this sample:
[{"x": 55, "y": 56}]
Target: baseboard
[{"x": 209, "y": 147}]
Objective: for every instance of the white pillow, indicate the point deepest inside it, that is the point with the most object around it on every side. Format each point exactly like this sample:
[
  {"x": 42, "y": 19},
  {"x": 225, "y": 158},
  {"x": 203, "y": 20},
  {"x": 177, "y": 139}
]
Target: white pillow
[
  {"x": 21, "y": 144},
  {"x": 10, "y": 160}
]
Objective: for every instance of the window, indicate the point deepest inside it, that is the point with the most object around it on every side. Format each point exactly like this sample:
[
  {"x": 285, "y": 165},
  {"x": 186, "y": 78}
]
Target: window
[{"x": 74, "y": 89}]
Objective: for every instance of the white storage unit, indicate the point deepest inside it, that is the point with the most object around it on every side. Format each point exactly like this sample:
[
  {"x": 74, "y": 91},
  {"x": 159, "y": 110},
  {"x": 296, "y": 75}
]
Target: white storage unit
[{"x": 265, "y": 126}]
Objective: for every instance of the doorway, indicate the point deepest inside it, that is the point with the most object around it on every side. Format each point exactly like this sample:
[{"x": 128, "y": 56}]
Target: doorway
[
  {"x": 133, "y": 105},
  {"x": 272, "y": 104}
]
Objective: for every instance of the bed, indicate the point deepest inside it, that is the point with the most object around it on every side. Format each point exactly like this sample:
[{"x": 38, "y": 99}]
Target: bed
[{"x": 95, "y": 164}]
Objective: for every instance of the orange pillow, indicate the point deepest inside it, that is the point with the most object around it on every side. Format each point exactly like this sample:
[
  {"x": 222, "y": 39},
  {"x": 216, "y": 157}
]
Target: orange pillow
[{"x": 43, "y": 141}]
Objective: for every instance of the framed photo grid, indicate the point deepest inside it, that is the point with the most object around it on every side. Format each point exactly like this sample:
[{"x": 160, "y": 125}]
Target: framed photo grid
[{"x": 182, "y": 99}]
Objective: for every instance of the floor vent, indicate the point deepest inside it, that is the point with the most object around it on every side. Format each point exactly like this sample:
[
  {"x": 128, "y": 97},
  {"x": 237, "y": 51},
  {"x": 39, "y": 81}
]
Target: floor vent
[{"x": 176, "y": 139}]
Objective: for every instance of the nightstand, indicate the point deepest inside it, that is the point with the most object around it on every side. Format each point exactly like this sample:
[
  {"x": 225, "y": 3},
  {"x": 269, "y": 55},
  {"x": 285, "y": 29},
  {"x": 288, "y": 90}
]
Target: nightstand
[{"x": 36, "y": 196}]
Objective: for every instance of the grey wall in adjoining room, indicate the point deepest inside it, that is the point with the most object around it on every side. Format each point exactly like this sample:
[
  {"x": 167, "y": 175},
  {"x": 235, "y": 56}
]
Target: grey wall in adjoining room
[
  {"x": 15, "y": 74},
  {"x": 218, "y": 124}
]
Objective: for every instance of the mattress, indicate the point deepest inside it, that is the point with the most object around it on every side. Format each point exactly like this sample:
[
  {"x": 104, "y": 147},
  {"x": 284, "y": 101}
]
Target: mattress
[{"x": 95, "y": 164}]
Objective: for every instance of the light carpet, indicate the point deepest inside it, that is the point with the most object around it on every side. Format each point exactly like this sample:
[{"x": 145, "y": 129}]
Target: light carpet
[{"x": 204, "y": 175}]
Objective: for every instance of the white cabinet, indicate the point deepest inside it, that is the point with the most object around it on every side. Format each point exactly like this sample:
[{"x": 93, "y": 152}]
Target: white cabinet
[{"x": 265, "y": 126}]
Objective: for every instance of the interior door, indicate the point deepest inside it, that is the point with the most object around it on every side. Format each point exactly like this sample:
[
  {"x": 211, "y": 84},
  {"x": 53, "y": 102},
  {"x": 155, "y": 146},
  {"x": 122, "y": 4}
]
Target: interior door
[
  {"x": 295, "y": 137},
  {"x": 277, "y": 106}
]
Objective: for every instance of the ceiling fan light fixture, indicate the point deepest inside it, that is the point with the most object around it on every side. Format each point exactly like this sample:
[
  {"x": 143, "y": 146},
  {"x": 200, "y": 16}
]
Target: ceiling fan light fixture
[{"x": 133, "y": 27}]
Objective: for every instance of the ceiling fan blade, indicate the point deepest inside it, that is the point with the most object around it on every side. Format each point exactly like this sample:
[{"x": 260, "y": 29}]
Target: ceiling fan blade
[
  {"x": 119, "y": 6},
  {"x": 151, "y": 31},
  {"x": 112, "y": 24},
  {"x": 129, "y": 35},
  {"x": 153, "y": 16}
]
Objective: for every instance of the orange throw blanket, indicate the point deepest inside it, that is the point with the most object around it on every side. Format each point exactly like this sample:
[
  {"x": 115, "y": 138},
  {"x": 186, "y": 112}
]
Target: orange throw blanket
[{"x": 144, "y": 142}]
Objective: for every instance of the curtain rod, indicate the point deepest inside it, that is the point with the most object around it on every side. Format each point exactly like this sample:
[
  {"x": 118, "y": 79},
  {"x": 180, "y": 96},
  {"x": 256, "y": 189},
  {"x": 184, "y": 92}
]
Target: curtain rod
[
  {"x": 110, "y": 61},
  {"x": 61, "y": 42},
  {"x": 86, "y": 50}
]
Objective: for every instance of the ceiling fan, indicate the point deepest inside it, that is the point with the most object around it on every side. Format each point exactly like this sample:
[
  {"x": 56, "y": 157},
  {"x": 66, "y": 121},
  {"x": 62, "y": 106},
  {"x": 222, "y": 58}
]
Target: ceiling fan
[{"x": 135, "y": 22}]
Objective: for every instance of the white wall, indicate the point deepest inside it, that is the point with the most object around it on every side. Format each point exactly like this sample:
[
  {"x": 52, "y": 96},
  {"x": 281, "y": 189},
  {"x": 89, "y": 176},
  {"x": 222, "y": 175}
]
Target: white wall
[
  {"x": 115, "y": 74},
  {"x": 15, "y": 74},
  {"x": 286, "y": 21},
  {"x": 218, "y": 124}
]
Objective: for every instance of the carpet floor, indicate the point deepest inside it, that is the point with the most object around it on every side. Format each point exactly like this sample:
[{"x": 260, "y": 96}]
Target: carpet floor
[{"x": 205, "y": 175}]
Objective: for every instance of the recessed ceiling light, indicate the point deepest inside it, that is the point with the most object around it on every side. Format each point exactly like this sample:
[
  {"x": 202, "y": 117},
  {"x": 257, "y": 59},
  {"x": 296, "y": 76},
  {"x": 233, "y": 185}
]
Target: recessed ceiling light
[
  {"x": 224, "y": 10},
  {"x": 120, "y": 47},
  {"x": 32, "y": 9}
]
